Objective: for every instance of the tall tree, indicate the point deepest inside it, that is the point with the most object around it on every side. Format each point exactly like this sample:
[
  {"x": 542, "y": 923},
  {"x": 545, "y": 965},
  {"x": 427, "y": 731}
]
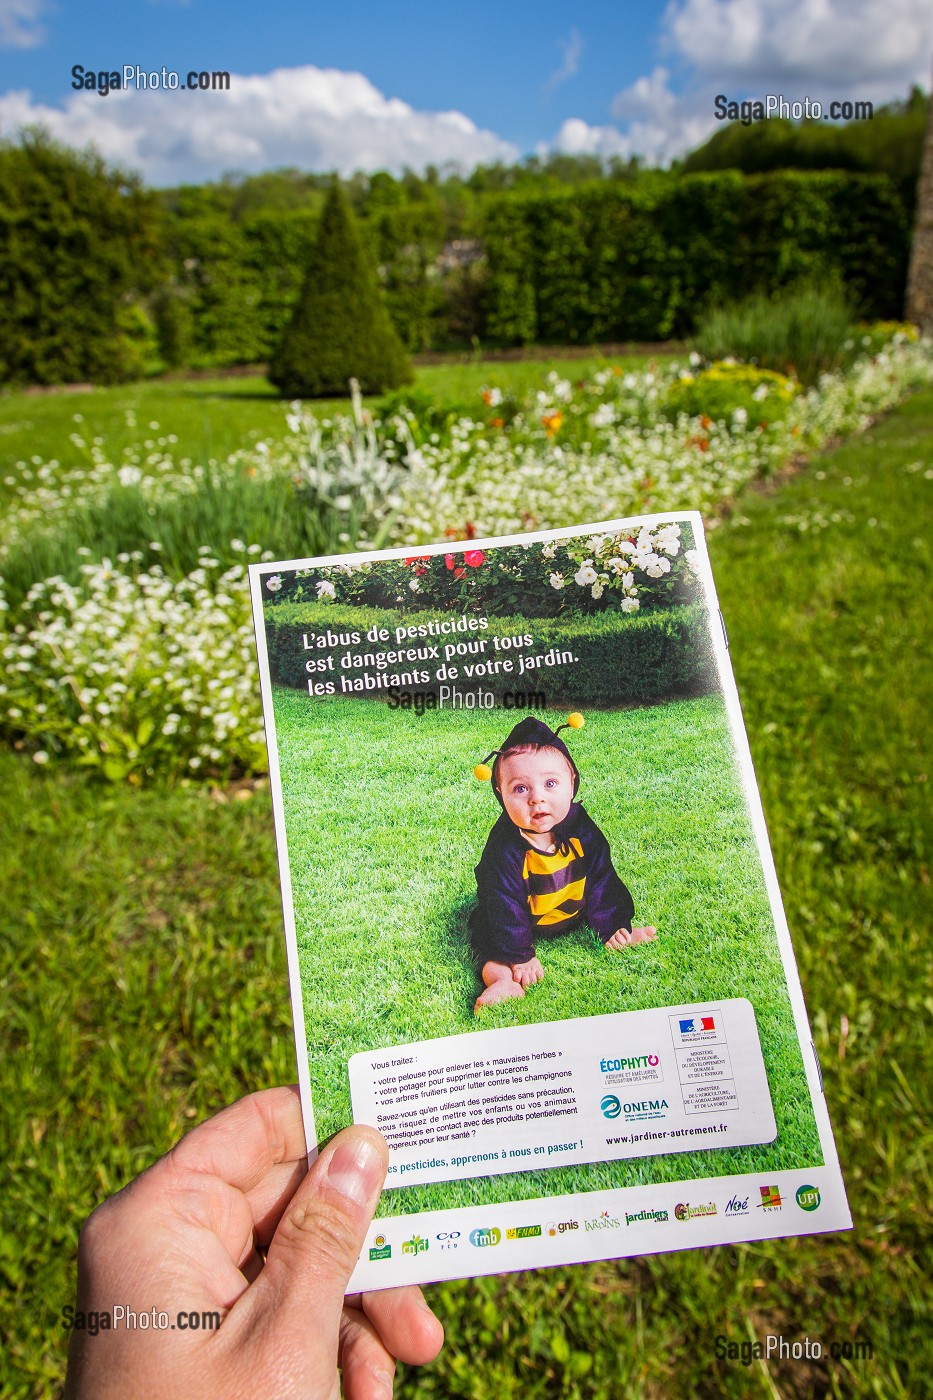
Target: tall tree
[
  {"x": 919, "y": 305},
  {"x": 79, "y": 248},
  {"x": 340, "y": 328}
]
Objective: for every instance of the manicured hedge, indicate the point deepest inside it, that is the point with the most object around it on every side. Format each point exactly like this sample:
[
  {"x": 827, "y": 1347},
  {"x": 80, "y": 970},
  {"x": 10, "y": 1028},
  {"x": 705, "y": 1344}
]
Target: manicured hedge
[
  {"x": 584, "y": 264},
  {"x": 608, "y": 262},
  {"x": 635, "y": 659}
]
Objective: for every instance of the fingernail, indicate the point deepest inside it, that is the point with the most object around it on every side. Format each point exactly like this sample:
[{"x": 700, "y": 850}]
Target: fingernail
[{"x": 357, "y": 1169}]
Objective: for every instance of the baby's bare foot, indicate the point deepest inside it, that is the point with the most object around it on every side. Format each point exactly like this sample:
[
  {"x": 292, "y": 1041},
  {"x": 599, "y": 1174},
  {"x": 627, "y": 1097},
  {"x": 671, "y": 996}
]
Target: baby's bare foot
[
  {"x": 502, "y": 990},
  {"x": 527, "y": 973}
]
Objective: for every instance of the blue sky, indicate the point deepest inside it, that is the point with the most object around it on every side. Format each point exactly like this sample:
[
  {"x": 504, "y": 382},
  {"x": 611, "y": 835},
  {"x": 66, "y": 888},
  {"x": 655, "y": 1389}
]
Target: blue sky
[{"x": 367, "y": 85}]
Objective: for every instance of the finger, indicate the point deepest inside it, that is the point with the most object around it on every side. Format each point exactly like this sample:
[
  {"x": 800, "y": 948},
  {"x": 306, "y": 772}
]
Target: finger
[
  {"x": 407, "y": 1326},
  {"x": 318, "y": 1242},
  {"x": 268, "y": 1200},
  {"x": 241, "y": 1144},
  {"x": 643, "y": 935},
  {"x": 368, "y": 1367}
]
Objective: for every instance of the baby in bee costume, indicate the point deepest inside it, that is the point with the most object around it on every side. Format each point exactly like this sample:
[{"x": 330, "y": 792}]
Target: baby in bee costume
[{"x": 546, "y": 866}]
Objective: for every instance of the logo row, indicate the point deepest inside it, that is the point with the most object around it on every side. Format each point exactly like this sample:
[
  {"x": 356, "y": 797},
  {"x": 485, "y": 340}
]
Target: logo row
[{"x": 486, "y": 1237}]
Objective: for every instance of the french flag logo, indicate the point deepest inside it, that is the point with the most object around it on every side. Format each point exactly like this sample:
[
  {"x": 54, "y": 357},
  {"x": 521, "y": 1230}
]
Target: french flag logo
[{"x": 698, "y": 1023}]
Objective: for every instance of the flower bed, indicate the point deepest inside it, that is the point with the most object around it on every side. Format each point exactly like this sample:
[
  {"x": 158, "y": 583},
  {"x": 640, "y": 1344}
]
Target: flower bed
[{"x": 140, "y": 670}]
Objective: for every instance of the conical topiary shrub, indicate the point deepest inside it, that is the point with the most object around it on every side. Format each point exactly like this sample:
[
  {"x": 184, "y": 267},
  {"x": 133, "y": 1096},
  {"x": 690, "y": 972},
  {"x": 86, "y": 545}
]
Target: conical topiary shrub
[{"x": 340, "y": 328}]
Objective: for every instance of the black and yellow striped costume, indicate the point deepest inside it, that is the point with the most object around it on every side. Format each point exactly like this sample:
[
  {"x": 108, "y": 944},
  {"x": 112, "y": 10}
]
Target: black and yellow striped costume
[{"x": 524, "y": 894}]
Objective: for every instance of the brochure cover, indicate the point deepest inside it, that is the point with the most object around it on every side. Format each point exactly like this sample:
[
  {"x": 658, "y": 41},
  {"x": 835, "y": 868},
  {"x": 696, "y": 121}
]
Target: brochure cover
[{"x": 534, "y": 931}]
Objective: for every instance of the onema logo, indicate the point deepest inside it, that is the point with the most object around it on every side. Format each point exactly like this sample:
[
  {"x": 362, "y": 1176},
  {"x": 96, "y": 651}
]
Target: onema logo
[{"x": 610, "y": 1105}]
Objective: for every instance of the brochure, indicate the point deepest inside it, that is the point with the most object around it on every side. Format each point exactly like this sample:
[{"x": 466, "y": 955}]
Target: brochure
[{"x": 534, "y": 930}]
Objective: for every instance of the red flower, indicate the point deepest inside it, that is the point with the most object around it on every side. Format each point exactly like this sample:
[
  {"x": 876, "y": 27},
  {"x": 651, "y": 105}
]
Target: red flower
[
  {"x": 473, "y": 557},
  {"x": 451, "y": 563},
  {"x": 415, "y": 558}
]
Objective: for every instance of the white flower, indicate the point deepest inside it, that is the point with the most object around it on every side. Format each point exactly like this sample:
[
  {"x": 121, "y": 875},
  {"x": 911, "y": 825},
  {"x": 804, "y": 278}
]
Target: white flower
[
  {"x": 740, "y": 415},
  {"x": 492, "y": 397},
  {"x": 628, "y": 580},
  {"x": 596, "y": 543},
  {"x": 414, "y": 585},
  {"x": 629, "y": 605},
  {"x": 129, "y": 476},
  {"x": 556, "y": 580},
  {"x": 586, "y": 574},
  {"x": 692, "y": 557},
  {"x": 548, "y": 551},
  {"x": 760, "y": 393},
  {"x": 40, "y": 756},
  {"x": 657, "y": 568},
  {"x": 326, "y": 589},
  {"x": 597, "y": 590}
]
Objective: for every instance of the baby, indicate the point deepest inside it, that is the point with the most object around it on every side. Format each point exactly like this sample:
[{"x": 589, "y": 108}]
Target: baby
[{"x": 546, "y": 867}]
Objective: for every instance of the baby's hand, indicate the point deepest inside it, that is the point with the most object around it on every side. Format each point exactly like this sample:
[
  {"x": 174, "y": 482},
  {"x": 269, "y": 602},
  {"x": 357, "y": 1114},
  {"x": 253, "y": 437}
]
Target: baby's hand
[
  {"x": 623, "y": 939},
  {"x": 527, "y": 973}
]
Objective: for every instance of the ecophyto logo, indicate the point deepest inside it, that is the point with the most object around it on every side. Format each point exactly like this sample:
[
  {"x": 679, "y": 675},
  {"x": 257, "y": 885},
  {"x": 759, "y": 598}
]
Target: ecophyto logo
[
  {"x": 448, "y": 1239},
  {"x": 603, "y": 1222},
  {"x": 380, "y": 1249},
  {"x": 737, "y": 1207},
  {"x": 416, "y": 1245},
  {"x": 608, "y": 1066},
  {"x": 523, "y": 1232},
  {"x": 562, "y": 1226},
  {"x": 644, "y": 1108},
  {"x": 770, "y": 1198},
  {"x": 696, "y": 1025},
  {"x": 610, "y": 1105},
  {"x": 808, "y": 1197},
  {"x": 646, "y": 1216},
  {"x": 683, "y": 1211},
  {"x": 484, "y": 1238}
]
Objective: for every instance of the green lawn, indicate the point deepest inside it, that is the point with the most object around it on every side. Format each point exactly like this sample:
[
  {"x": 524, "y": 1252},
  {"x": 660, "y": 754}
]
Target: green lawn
[
  {"x": 214, "y": 417},
  {"x": 143, "y": 985},
  {"x": 385, "y": 959}
]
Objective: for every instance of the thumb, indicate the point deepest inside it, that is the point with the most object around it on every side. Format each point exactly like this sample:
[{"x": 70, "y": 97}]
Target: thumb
[{"x": 318, "y": 1241}]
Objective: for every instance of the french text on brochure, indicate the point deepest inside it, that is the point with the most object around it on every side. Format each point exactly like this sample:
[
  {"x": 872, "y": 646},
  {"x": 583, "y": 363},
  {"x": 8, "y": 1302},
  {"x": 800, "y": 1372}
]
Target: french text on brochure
[{"x": 592, "y": 1089}]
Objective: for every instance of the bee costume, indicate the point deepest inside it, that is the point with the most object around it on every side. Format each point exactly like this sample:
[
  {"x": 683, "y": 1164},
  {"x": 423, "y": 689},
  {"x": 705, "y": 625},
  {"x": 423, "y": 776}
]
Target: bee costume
[{"x": 524, "y": 894}]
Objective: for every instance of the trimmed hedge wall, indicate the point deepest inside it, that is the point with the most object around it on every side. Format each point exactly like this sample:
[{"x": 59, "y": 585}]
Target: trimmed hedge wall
[
  {"x": 635, "y": 659},
  {"x": 587, "y": 264},
  {"x": 605, "y": 262}
]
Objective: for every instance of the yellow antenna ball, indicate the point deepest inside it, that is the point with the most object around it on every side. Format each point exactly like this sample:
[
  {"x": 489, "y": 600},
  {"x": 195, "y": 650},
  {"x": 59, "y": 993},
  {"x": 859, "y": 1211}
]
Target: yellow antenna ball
[
  {"x": 483, "y": 772},
  {"x": 576, "y": 720}
]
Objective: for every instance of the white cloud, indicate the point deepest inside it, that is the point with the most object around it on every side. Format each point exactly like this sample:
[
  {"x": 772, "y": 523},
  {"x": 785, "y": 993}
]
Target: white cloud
[
  {"x": 572, "y": 52},
  {"x": 313, "y": 118},
  {"x": 847, "y": 47},
  {"x": 19, "y": 24},
  {"x": 821, "y": 49}
]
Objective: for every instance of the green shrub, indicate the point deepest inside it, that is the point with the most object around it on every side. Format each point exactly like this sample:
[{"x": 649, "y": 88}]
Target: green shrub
[
  {"x": 79, "y": 250},
  {"x": 802, "y": 333},
  {"x": 717, "y": 392},
  {"x": 634, "y": 659},
  {"x": 340, "y": 328}
]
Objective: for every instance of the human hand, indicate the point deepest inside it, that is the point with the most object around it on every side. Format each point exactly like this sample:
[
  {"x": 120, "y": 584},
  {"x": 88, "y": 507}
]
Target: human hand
[
  {"x": 527, "y": 973},
  {"x": 622, "y": 938},
  {"x": 185, "y": 1237}
]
